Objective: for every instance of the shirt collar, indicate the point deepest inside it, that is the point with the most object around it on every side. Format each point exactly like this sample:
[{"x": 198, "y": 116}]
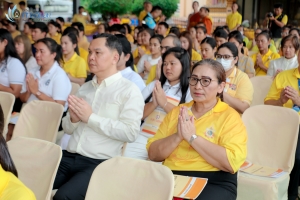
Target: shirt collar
[
  {"x": 127, "y": 70},
  {"x": 50, "y": 71},
  {"x": 4, "y": 179},
  {"x": 233, "y": 73},
  {"x": 291, "y": 59},
  {"x": 174, "y": 86},
  {"x": 219, "y": 107},
  {"x": 74, "y": 56},
  {"x": 108, "y": 81}
]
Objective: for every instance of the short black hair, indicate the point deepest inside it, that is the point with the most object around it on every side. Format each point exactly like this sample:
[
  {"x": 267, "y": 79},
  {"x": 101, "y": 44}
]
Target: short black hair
[
  {"x": 126, "y": 49},
  {"x": 128, "y": 28},
  {"x": 41, "y": 25},
  {"x": 112, "y": 42},
  {"x": 22, "y": 3},
  {"x": 61, "y": 19},
  {"x": 221, "y": 34},
  {"x": 156, "y": 8},
  {"x": 205, "y": 8},
  {"x": 278, "y": 5},
  {"x": 166, "y": 25},
  {"x": 175, "y": 30},
  {"x": 235, "y": 3},
  {"x": 80, "y": 7},
  {"x": 71, "y": 30},
  {"x": 118, "y": 28},
  {"x": 79, "y": 26}
]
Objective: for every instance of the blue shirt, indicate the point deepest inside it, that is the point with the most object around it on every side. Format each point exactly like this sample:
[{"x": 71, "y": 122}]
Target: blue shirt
[{"x": 150, "y": 22}]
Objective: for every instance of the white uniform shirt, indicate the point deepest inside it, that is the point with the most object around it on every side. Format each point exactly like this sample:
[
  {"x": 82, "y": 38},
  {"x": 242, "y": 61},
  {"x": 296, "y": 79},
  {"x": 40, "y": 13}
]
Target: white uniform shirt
[
  {"x": 141, "y": 63},
  {"x": 31, "y": 64},
  {"x": 131, "y": 75},
  {"x": 173, "y": 94},
  {"x": 282, "y": 64},
  {"x": 117, "y": 106},
  {"x": 55, "y": 84},
  {"x": 12, "y": 71}
]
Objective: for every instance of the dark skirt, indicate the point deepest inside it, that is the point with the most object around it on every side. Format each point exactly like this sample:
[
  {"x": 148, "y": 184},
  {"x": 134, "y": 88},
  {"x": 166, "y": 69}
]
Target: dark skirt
[{"x": 221, "y": 185}]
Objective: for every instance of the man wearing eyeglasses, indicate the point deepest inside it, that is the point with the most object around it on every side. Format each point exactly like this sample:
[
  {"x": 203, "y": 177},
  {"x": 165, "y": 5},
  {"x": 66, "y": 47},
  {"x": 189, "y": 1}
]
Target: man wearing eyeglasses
[{"x": 167, "y": 43}]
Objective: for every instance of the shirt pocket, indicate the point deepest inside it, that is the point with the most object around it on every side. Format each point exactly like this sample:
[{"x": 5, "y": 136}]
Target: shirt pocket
[{"x": 109, "y": 110}]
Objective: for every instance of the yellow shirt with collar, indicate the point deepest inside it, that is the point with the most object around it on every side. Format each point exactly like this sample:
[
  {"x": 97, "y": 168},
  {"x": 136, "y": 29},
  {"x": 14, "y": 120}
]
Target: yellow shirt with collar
[
  {"x": 75, "y": 66},
  {"x": 80, "y": 18},
  {"x": 56, "y": 37},
  {"x": 266, "y": 61},
  {"x": 135, "y": 54},
  {"x": 196, "y": 56},
  {"x": 238, "y": 85},
  {"x": 84, "y": 54},
  {"x": 11, "y": 188},
  {"x": 283, "y": 79},
  {"x": 228, "y": 131},
  {"x": 84, "y": 43},
  {"x": 30, "y": 38},
  {"x": 233, "y": 20},
  {"x": 15, "y": 34},
  {"x": 284, "y": 19},
  {"x": 142, "y": 15}
]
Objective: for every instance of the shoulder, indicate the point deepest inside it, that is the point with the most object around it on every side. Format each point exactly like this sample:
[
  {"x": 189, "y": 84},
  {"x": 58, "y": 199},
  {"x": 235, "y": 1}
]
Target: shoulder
[
  {"x": 242, "y": 76},
  {"x": 14, "y": 61}
]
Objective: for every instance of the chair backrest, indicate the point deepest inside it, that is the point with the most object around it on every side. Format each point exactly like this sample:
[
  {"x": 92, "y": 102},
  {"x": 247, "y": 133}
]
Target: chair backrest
[
  {"x": 7, "y": 101},
  {"x": 75, "y": 88},
  {"x": 261, "y": 86},
  {"x": 39, "y": 119},
  {"x": 128, "y": 178},
  {"x": 272, "y": 135},
  {"x": 37, "y": 162}
]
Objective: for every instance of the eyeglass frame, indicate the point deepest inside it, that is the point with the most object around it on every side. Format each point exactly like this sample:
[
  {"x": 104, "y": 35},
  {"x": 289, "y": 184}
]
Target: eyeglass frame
[
  {"x": 199, "y": 80},
  {"x": 222, "y": 56}
]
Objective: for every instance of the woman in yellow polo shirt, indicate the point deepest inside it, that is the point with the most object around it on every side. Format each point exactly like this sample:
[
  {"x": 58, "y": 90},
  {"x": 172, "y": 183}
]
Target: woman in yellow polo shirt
[
  {"x": 264, "y": 56},
  {"x": 284, "y": 92},
  {"x": 191, "y": 142},
  {"x": 208, "y": 48},
  {"x": 54, "y": 31},
  {"x": 238, "y": 91},
  {"x": 72, "y": 63},
  {"x": 11, "y": 188},
  {"x": 187, "y": 44}
]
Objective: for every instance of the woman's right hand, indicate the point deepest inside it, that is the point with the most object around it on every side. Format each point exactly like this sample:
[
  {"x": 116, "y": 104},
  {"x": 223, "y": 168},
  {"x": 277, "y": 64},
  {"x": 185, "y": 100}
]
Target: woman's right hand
[
  {"x": 158, "y": 70},
  {"x": 283, "y": 99}
]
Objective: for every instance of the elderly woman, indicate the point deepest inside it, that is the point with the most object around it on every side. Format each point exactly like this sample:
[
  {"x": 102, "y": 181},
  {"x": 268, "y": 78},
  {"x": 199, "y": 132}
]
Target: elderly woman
[{"x": 205, "y": 137}]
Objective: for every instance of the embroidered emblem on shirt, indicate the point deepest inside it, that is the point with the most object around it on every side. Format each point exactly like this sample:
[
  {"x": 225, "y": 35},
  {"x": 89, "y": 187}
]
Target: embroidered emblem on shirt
[
  {"x": 3, "y": 69},
  {"x": 47, "y": 82},
  {"x": 210, "y": 132},
  {"x": 232, "y": 86}
]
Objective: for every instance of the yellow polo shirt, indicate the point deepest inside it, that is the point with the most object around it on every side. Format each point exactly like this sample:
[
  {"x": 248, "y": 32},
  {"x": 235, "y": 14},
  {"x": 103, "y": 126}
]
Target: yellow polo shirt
[
  {"x": 11, "y": 188},
  {"x": 80, "y": 18},
  {"x": 228, "y": 131},
  {"x": 238, "y": 85},
  {"x": 56, "y": 37},
  {"x": 266, "y": 61},
  {"x": 284, "y": 19},
  {"x": 233, "y": 20},
  {"x": 285, "y": 78},
  {"x": 84, "y": 54},
  {"x": 76, "y": 66},
  {"x": 272, "y": 48},
  {"x": 196, "y": 56},
  {"x": 15, "y": 34},
  {"x": 135, "y": 54},
  {"x": 30, "y": 38},
  {"x": 84, "y": 43},
  {"x": 130, "y": 38},
  {"x": 142, "y": 15}
]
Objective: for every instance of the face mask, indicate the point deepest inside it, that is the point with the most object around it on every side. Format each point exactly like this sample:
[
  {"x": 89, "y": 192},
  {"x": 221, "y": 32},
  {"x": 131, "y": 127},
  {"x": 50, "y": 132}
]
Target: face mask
[{"x": 225, "y": 63}]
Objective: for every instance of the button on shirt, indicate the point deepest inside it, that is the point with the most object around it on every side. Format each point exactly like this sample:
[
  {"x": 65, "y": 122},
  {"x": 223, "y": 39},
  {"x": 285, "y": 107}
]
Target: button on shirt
[
  {"x": 117, "y": 106},
  {"x": 131, "y": 75},
  {"x": 55, "y": 83},
  {"x": 282, "y": 64},
  {"x": 12, "y": 71}
]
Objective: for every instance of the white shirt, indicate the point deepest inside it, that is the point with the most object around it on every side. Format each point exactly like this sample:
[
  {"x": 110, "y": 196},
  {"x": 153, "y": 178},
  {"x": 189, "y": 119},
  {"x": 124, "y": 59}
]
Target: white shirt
[
  {"x": 141, "y": 63},
  {"x": 131, "y": 75},
  {"x": 282, "y": 64},
  {"x": 12, "y": 72},
  {"x": 55, "y": 83},
  {"x": 31, "y": 64},
  {"x": 173, "y": 94},
  {"x": 118, "y": 107},
  {"x": 23, "y": 19}
]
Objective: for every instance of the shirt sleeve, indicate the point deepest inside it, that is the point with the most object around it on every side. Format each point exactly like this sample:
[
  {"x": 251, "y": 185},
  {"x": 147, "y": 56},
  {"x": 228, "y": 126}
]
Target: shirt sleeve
[
  {"x": 68, "y": 126},
  {"x": 140, "y": 65},
  {"x": 249, "y": 66},
  {"x": 284, "y": 19},
  {"x": 127, "y": 127},
  {"x": 151, "y": 75},
  {"x": 16, "y": 72},
  {"x": 61, "y": 87},
  {"x": 150, "y": 22},
  {"x": 148, "y": 90},
  {"x": 244, "y": 91},
  {"x": 274, "y": 92},
  {"x": 271, "y": 69},
  {"x": 81, "y": 68},
  {"x": 239, "y": 19},
  {"x": 234, "y": 139}
]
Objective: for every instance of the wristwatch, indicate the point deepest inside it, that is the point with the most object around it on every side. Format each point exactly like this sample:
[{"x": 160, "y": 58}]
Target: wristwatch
[{"x": 193, "y": 137}]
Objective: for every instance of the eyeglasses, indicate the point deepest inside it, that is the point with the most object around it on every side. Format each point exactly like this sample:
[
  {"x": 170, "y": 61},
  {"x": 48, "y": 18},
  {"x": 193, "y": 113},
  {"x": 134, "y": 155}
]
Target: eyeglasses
[
  {"x": 226, "y": 57},
  {"x": 203, "y": 81},
  {"x": 166, "y": 47}
]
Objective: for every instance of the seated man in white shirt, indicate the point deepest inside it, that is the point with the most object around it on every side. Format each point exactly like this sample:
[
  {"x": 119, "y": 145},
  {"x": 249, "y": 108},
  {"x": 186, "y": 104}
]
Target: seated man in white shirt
[
  {"x": 125, "y": 64},
  {"x": 105, "y": 113}
]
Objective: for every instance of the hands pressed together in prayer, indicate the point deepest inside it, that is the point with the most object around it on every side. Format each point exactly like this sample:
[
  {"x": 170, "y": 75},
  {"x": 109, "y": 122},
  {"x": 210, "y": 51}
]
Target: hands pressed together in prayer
[
  {"x": 290, "y": 93},
  {"x": 32, "y": 84},
  {"x": 186, "y": 125},
  {"x": 159, "y": 97},
  {"x": 79, "y": 109}
]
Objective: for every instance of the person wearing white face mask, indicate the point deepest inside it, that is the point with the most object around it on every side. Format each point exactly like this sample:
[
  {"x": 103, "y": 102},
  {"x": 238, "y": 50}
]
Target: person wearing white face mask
[{"x": 238, "y": 91}]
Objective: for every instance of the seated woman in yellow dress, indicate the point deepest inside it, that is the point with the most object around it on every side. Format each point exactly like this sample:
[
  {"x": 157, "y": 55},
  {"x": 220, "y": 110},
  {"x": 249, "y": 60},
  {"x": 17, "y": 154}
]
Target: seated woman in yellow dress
[
  {"x": 54, "y": 31},
  {"x": 264, "y": 56},
  {"x": 238, "y": 91},
  {"x": 203, "y": 138},
  {"x": 187, "y": 44},
  {"x": 72, "y": 63},
  {"x": 11, "y": 188}
]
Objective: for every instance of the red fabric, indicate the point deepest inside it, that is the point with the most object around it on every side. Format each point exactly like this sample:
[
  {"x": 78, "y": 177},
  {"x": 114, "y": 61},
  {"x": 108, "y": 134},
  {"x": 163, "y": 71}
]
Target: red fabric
[
  {"x": 208, "y": 24},
  {"x": 194, "y": 20},
  {"x": 175, "y": 198}
]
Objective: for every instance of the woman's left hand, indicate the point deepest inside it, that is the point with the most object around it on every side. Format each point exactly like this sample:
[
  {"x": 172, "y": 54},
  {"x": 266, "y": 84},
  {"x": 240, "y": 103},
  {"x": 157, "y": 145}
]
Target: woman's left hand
[
  {"x": 292, "y": 94},
  {"x": 259, "y": 61},
  {"x": 32, "y": 84},
  {"x": 160, "y": 94},
  {"x": 187, "y": 124}
]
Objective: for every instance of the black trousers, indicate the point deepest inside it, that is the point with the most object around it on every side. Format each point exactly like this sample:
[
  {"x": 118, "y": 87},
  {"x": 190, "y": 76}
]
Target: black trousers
[
  {"x": 220, "y": 185},
  {"x": 73, "y": 176},
  {"x": 295, "y": 173}
]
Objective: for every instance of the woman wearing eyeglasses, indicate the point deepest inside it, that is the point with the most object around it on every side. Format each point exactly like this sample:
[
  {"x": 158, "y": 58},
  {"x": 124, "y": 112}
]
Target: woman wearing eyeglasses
[
  {"x": 238, "y": 91},
  {"x": 191, "y": 142},
  {"x": 161, "y": 97}
]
